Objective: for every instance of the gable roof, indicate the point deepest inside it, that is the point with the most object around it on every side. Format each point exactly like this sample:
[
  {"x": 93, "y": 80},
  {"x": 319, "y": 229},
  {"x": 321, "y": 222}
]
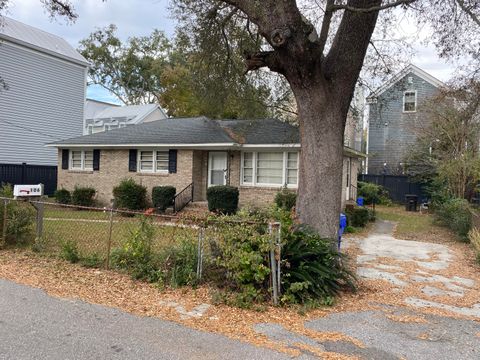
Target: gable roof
[
  {"x": 400, "y": 75},
  {"x": 133, "y": 113},
  {"x": 198, "y": 131},
  {"x": 36, "y": 39}
]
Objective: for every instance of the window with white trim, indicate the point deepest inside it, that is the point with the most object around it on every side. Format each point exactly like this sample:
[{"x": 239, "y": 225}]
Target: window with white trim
[
  {"x": 81, "y": 160},
  {"x": 153, "y": 161},
  {"x": 269, "y": 168},
  {"x": 409, "y": 101}
]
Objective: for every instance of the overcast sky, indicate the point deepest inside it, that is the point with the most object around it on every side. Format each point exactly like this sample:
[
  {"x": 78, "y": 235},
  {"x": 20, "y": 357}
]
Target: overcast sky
[{"x": 140, "y": 17}]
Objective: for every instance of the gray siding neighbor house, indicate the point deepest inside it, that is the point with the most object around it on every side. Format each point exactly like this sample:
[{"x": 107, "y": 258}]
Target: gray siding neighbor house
[
  {"x": 45, "y": 95},
  {"x": 101, "y": 116},
  {"x": 395, "y": 115}
]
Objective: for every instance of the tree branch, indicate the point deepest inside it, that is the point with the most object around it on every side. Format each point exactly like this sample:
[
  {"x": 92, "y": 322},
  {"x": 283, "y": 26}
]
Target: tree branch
[
  {"x": 469, "y": 12},
  {"x": 350, "y": 8},
  {"x": 327, "y": 19}
]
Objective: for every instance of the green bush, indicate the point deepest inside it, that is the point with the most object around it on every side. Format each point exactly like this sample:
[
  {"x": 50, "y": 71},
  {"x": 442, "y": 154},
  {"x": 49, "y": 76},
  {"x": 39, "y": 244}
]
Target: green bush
[
  {"x": 20, "y": 218},
  {"x": 130, "y": 195},
  {"x": 373, "y": 193},
  {"x": 286, "y": 199},
  {"x": 178, "y": 264},
  {"x": 83, "y": 196},
  {"x": 136, "y": 256},
  {"x": 69, "y": 252},
  {"x": 92, "y": 261},
  {"x": 455, "y": 214},
  {"x": 357, "y": 216},
  {"x": 222, "y": 199},
  {"x": 313, "y": 271},
  {"x": 240, "y": 265},
  {"x": 63, "y": 196},
  {"x": 162, "y": 196}
]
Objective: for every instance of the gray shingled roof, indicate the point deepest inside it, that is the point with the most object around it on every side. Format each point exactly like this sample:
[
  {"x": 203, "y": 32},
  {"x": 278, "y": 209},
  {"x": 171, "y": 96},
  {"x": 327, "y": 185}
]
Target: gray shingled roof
[
  {"x": 29, "y": 36},
  {"x": 199, "y": 130},
  {"x": 262, "y": 131}
]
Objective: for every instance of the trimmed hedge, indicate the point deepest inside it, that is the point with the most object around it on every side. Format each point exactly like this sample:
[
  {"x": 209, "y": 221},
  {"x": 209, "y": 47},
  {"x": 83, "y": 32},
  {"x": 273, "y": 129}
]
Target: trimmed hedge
[
  {"x": 83, "y": 196},
  {"x": 286, "y": 199},
  {"x": 222, "y": 199},
  {"x": 63, "y": 196},
  {"x": 357, "y": 216},
  {"x": 162, "y": 196},
  {"x": 130, "y": 195}
]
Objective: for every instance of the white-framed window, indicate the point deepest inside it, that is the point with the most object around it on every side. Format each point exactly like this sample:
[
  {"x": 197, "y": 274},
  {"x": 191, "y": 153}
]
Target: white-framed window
[
  {"x": 153, "y": 161},
  {"x": 269, "y": 168},
  {"x": 81, "y": 160},
  {"x": 409, "y": 101}
]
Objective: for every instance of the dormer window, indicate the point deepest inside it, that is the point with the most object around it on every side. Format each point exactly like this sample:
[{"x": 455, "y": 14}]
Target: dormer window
[{"x": 409, "y": 101}]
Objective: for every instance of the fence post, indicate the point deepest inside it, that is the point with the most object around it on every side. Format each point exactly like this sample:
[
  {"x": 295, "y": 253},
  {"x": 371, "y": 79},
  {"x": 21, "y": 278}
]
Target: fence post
[
  {"x": 4, "y": 227},
  {"x": 201, "y": 235},
  {"x": 273, "y": 264},
  {"x": 40, "y": 207},
  {"x": 24, "y": 170},
  {"x": 279, "y": 247},
  {"x": 109, "y": 243}
]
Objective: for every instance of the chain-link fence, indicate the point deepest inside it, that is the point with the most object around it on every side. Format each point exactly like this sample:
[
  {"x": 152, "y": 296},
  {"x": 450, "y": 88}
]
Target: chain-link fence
[{"x": 106, "y": 237}]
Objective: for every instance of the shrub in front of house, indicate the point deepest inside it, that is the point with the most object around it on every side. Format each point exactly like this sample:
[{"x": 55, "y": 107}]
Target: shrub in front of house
[
  {"x": 130, "y": 195},
  {"x": 357, "y": 216},
  {"x": 20, "y": 222},
  {"x": 162, "y": 197},
  {"x": 373, "y": 193},
  {"x": 455, "y": 214},
  {"x": 222, "y": 199},
  {"x": 286, "y": 199},
  {"x": 83, "y": 196},
  {"x": 63, "y": 196}
]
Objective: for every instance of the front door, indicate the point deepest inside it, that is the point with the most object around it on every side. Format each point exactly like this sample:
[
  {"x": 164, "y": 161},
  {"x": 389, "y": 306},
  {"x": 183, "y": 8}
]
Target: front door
[{"x": 217, "y": 168}]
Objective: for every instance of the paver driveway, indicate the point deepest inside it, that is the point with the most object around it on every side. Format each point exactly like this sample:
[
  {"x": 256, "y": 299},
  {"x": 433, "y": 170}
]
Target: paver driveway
[{"x": 403, "y": 264}]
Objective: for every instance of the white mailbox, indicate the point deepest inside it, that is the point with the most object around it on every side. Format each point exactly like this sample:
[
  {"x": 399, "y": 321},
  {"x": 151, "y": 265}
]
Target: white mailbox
[{"x": 27, "y": 190}]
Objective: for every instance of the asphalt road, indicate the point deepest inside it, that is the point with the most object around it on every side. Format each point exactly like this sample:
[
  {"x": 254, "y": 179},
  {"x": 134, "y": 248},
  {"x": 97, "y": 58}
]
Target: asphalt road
[{"x": 34, "y": 325}]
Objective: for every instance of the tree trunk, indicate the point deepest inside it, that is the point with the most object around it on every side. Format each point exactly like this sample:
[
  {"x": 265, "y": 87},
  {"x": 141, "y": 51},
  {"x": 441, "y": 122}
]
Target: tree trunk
[{"x": 322, "y": 119}]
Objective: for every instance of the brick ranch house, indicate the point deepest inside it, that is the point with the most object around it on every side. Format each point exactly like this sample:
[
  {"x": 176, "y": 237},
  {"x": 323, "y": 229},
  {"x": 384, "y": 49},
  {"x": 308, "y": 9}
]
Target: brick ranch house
[{"x": 257, "y": 156}]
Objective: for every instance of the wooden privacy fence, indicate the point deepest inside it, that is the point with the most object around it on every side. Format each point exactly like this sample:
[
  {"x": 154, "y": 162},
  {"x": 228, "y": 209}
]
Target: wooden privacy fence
[
  {"x": 30, "y": 174},
  {"x": 397, "y": 186}
]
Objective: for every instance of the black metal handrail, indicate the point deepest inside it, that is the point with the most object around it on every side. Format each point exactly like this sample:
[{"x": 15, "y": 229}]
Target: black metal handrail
[{"x": 183, "y": 198}]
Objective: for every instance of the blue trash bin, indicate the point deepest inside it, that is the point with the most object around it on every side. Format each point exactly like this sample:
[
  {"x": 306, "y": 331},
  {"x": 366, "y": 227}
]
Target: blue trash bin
[
  {"x": 360, "y": 201},
  {"x": 341, "y": 230}
]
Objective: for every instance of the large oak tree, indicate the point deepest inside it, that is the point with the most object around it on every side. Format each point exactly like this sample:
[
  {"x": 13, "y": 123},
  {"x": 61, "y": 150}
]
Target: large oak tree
[{"x": 320, "y": 47}]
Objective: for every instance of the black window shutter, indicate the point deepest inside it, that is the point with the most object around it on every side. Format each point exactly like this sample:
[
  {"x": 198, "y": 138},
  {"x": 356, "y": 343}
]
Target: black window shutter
[
  {"x": 65, "y": 159},
  {"x": 132, "y": 160},
  {"x": 96, "y": 160},
  {"x": 172, "y": 161}
]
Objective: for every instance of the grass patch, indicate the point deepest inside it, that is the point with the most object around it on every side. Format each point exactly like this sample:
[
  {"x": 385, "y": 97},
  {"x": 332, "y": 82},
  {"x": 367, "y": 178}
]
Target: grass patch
[{"x": 410, "y": 225}]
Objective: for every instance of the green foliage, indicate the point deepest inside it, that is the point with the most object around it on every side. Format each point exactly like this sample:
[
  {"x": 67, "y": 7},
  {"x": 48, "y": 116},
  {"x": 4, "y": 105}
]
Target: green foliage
[
  {"x": 175, "y": 74},
  {"x": 373, "y": 193},
  {"x": 455, "y": 214},
  {"x": 350, "y": 230},
  {"x": 357, "y": 216},
  {"x": 70, "y": 252},
  {"x": 162, "y": 196},
  {"x": 63, "y": 196},
  {"x": 130, "y": 195},
  {"x": 83, "y": 196},
  {"x": 222, "y": 199},
  {"x": 92, "y": 261},
  {"x": 135, "y": 255},
  {"x": 178, "y": 264},
  {"x": 312, "y": 268},
  {"x": 20, "y": 218},
  {"x": 286, "y": 199}
]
